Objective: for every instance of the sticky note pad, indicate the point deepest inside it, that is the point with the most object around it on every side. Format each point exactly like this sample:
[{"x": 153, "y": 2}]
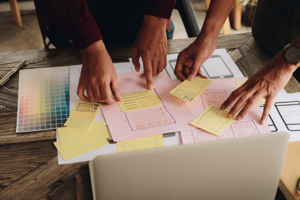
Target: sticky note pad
[
  {"x": 139, "y": 100},
  {"x": 190, "y": 90},
  {"x": 213, "y": 120},
  {"x": 73, "y": 136},
  {"x": 262, "y": 101},
  {"x": 76, "y": 148},
  {"x": 155, "y": 141},
  {"x": 83, "y": 115}
]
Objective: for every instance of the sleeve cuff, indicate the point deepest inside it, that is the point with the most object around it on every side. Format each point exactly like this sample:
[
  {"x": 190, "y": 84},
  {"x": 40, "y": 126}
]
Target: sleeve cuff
[{"x": 160, "y": 8}]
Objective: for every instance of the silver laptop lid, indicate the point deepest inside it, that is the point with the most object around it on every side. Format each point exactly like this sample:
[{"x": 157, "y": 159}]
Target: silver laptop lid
[{"x": 241, "y": 168}]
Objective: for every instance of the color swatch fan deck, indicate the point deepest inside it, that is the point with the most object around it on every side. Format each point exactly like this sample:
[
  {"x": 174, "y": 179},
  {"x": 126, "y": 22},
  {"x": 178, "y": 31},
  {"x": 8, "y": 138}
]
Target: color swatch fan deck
[{"x": 43, "y": 99}]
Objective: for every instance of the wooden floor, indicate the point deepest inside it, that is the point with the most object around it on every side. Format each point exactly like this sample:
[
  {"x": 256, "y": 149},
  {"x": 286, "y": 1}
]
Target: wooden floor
[{"x": 28, "y": 161}]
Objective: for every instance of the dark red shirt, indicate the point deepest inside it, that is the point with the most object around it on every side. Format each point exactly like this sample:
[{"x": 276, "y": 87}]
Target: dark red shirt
[{"x": 73, "y": 19}]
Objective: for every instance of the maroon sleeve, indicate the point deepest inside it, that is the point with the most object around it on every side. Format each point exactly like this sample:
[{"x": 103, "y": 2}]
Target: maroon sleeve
[
  {"x": 160, "y": 8},
  {"x": 73, "y": 19}
]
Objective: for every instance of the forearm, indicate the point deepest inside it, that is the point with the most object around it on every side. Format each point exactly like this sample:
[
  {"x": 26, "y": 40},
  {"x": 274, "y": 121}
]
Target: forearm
[{"x": 216, "y": 16}]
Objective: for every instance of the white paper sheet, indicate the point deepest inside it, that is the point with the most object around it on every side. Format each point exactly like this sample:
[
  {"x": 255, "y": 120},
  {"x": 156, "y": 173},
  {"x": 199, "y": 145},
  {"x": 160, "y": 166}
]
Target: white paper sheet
[{"x": 285, "y": 115}]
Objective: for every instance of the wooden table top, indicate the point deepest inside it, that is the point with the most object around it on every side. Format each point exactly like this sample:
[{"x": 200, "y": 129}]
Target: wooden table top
[{"x": 28, "y": 161}]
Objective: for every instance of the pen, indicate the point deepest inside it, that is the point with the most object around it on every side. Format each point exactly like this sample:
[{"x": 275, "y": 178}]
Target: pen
[{"x": 6, "y": 77}]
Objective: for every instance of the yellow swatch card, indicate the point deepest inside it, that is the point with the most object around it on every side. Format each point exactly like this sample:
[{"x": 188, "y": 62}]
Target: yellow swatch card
[
  {"x": 83, "y": 115},
  {"x": 262, "y": 101},
  {"x": 90, "y": 142},
  {"x": 155, "y": 141},
  {"x": 74, "y": 136},
  {"x": 139, "y": 100},
  {"x": 190, "y": 90},
  {"x": 213, "y": 120}
]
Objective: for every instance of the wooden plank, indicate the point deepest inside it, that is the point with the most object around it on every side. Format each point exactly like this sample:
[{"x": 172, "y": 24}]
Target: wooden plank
[
  {"x": 18, "y": 159},
  {"x": 66, "y": 191},
  {"x": 83, "y": 185},
  {"x": 235, "y": 54},
  {"x": 41, "y": 181}
]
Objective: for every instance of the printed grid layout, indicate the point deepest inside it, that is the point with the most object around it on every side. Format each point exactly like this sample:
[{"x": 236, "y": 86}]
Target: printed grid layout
[{"x": 43, "y": 99}]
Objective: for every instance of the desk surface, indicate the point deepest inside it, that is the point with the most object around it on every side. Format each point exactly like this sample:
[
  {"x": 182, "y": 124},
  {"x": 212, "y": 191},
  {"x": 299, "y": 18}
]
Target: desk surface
[{"x": 28, "y": 161}]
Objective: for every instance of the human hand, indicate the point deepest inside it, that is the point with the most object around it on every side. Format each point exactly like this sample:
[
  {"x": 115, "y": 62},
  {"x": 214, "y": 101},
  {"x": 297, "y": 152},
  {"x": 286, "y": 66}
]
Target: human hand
[
  {"x": 98, "y": 76},
  {"x": 151, "y": 45},
  {"x": 264, "y": 84},
  {"x": 190, "y": 60}
]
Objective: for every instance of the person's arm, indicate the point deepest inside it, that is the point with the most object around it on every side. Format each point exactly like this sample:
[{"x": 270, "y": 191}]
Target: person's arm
[
  {"x": 151, "y": 41},
  {"x": 266, "y": 83},
  {"x": 98, "y": 76},
  {"x": 191, "y": 58}
]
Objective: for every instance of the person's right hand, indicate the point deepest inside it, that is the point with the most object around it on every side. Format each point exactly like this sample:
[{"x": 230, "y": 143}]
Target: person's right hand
[
  {"x": 98, "y": 76},
  {"x": 190, "y": 60}
]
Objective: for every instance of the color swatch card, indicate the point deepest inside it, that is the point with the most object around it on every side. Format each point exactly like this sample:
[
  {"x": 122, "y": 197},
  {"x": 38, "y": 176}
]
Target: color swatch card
[
  {"x": 83, "y": 115},
  {"x": 170, "y": 116},
  {"x": 213, "y": 120},
  {"x": 151, "y": 142},
  {"x": 43, "y": 99},
  {"x": 190, "y": 90},
  {"x": 139, "y": 100}
]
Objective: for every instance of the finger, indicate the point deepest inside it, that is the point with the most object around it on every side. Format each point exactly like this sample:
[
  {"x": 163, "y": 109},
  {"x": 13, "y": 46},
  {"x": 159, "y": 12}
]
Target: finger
[
  {"x": 97, "y": 93},
  {"x": 179, "y": 70},
  {"x": 251, "y": 102},
  {"x": 115, "y": 90},
  {"x": 106, "y": 93},
  {"x": 135, "y": 59},
  {"x": 80, "y": 93},
  {"x": 165, "y": 61},
  {"x": 186, "y": 71},
  {"x": 148, "y": 73},
  {"x": 267, "y": 108},
  {"x": 240, "y": 102},
  {"x": 194, "y": 69},
  {"x": 154, "y": 66},
  {"x": 233, "y": 96},
  {"x": 161, "y": 65},
  {"x": 90, "y": 94},
  {"x": 201, "y": 74}
]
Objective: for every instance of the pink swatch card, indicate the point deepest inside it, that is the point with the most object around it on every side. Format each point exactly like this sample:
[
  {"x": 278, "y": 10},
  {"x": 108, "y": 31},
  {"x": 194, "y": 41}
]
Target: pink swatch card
[
  {"x": 218, "y": 91},
  {"x": 171, "y": 116}
]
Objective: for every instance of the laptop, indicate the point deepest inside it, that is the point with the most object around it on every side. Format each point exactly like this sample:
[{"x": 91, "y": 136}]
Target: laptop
[{"x": 240, "y": 168}]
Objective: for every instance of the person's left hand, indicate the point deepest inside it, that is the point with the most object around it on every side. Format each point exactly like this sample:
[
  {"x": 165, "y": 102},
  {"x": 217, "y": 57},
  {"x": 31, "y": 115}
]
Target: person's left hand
[
  {"x": 151, "y": 45},
  {"x": 264, "y": 84}
]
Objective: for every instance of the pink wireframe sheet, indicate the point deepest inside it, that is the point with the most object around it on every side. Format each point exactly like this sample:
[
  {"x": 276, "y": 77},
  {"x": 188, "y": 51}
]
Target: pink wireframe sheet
[{"x": 173, "y": 115}]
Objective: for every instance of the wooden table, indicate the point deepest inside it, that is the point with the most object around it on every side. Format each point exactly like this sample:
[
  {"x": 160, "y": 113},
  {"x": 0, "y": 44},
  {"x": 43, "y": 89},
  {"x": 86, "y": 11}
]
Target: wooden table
[{"x": 28, "y": 161}]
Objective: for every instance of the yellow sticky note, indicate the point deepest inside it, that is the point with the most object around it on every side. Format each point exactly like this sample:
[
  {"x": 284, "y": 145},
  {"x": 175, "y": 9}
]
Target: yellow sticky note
[
  {"x": 155, "y": 141},
  {"x": 190, "y": 90},
  {"x": 262, "y": 101},
  {"x": 74, "y": 136},
  {"x": 139, "y": 100},
  {"x": 213, "y": 120},
  {"x": 83, "y": 115},
  {"x": 71, "y": 151}
]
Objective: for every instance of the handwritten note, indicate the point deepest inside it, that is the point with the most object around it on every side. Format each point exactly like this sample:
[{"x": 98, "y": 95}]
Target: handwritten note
[
  {"x": 213, "y": 120},
  {"x": 82, "y": 142},
  {"x": 151, "y": 142},
  {"x": 83, "y": 115},
  {"x": 139, "y": 100},
  {"x": 262, "y": 101},
  {"x": 190, "y": 90}
]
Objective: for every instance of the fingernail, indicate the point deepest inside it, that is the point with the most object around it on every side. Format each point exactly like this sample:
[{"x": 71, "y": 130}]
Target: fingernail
[
  {"x": 229, "y": 115},
  {"x": 239, "y": 117},
  {"x": 222, "y": 107},
  {"x": 151, "y": 87},
  {"x": 190, "y": 77}
]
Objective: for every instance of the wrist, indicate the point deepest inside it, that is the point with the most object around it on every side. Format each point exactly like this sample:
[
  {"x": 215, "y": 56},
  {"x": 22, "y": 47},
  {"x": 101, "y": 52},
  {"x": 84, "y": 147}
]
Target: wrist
[
  {"x": 94, "y": 48},
  {"x": 286, "y": 67},
  {"x": 151, "y": 20}
]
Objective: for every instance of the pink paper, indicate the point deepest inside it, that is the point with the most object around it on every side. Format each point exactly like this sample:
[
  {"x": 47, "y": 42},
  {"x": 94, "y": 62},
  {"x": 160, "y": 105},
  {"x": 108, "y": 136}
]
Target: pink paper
[
  {"x": 218, "y": 91},
  {"x": 173, "y": 115}
]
